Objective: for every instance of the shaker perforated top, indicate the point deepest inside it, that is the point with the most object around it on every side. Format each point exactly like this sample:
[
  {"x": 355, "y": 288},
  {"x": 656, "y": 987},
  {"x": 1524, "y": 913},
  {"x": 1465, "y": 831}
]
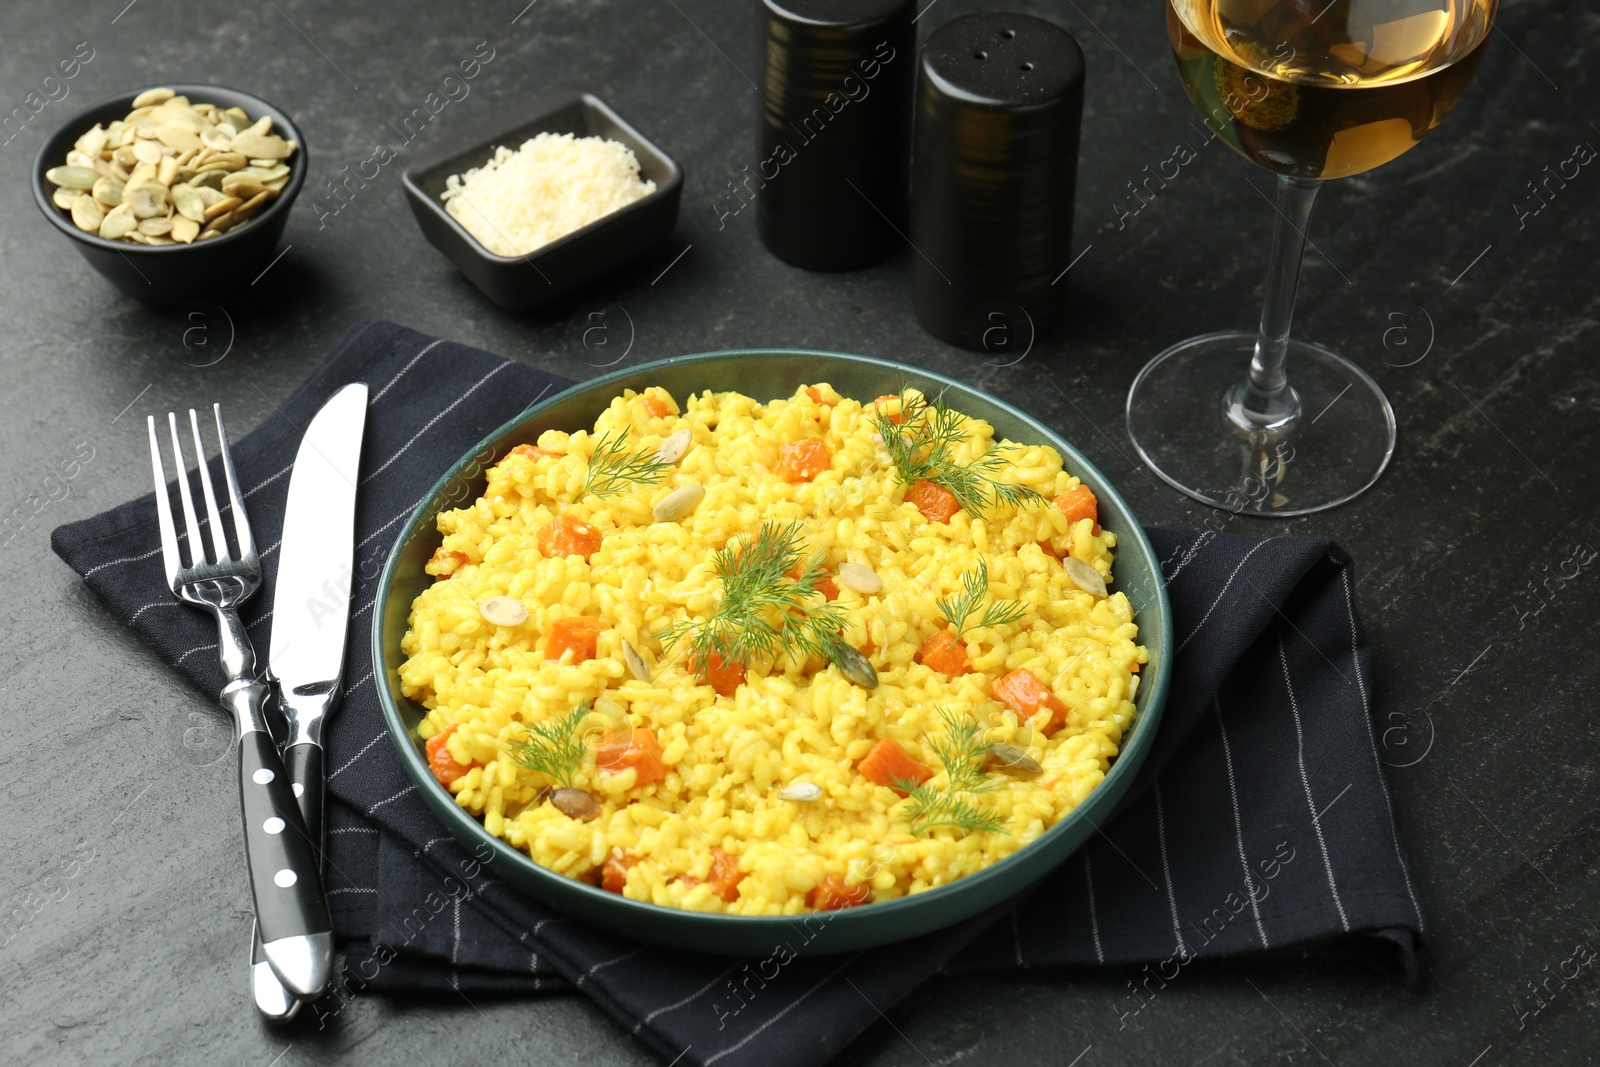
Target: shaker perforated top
[{"x": 1004, "y": 60}]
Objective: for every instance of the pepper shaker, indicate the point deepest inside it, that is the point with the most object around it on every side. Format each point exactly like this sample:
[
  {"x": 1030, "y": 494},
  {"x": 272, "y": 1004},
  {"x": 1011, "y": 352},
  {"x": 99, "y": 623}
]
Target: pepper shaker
[
  {"x": 999, "y": 103},
  {"x": 835, "y": 127}
]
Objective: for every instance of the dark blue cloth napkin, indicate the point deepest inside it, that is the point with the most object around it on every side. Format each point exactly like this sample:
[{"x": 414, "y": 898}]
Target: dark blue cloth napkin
[{"x": 1260, "y": 823}]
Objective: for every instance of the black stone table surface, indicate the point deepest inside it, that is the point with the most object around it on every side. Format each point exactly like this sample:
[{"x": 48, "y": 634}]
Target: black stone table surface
[{"x": 124, "y": 911}]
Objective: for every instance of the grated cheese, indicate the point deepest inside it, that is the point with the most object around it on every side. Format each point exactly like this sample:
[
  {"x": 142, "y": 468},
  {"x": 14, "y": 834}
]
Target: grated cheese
[{"x": 554, "y": 184}]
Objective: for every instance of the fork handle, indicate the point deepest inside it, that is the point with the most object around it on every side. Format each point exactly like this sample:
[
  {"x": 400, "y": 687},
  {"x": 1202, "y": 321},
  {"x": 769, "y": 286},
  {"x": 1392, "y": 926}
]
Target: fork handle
[{"x": 291, "y": 910}]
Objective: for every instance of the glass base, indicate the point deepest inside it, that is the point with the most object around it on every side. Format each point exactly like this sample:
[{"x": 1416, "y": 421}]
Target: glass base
[{"x": 1185, "y": 419}]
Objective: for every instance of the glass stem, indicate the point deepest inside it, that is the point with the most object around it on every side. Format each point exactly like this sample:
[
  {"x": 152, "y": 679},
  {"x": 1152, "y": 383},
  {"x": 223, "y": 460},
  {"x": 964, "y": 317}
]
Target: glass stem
[{"x": 1267, "y": 397}]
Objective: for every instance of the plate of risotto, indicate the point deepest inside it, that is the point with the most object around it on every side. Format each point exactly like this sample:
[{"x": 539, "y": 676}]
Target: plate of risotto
[{"x": 732, "y": 649}]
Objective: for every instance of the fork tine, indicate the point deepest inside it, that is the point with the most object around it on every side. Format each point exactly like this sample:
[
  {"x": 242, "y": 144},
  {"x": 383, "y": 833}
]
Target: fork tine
[
  {"x": 219, "y": 537},
  {"x": 197, "y": 544},
  {"x": 241, "y": 522},
  {"x": 170, "y": 559}
]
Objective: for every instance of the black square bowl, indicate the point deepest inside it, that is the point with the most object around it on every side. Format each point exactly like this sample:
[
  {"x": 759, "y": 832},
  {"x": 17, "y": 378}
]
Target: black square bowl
[
  {"x": 169, "y": 275},
  {"x": 554, "y": 272}
]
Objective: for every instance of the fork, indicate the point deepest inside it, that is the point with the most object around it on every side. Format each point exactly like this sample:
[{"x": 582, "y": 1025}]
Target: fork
[{"x": 291, "y": 910}]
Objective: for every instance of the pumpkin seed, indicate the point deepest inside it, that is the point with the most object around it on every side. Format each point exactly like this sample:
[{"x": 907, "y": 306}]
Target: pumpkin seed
[
  {"x": 142, "y": 172},
  {"x": 178, "y": 138},
  {"x": 1084, "y": 576},
  {"x": 1012, "y": 759},
  {"x": 679, "y": 503},
  {"x": 183, "y": 118},
  {"x": 854, "y": 666},
  {"x": 118, "y": 223},
  {"x": 153, "y": 96},
  {"x": 241, "y": 184},
  {"x": 189, "y": 203},
  {"x": 225, "y": 161},
  {"x": 577, "y": 804},
  {"x": 268, "y": 146},
  {"x": 108, "y": 192},
  {"x": 674, "y": 447},
  {"x": 86, "y": 214},
  {"x": 861, "y": 579},
  {"x": 503, "y": 611},
  {"x": 185, "y": 230},
  {"x": 636, "y": 664},
  {"x": 72, "y": 177},
  {"x": 76, "y": 158},
  {"x": 63, "y": 198},
  {"x": 252, "y": 204},
  {"x": 221, "y": 207},
  {"x": 91, "y": 143},
  {"x": 146, "y": 151},
  {"x": 147, "y": 200},
  {"x": 218, "y": 137},
  {"x": 167, "y": 170},
  {"x": 802, "y": 791},
  {"x": 156, "y": 227}
]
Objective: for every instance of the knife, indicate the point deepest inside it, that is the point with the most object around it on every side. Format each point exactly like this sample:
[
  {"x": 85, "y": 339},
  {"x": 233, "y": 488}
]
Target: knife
[{"x": 310, "y": 617}]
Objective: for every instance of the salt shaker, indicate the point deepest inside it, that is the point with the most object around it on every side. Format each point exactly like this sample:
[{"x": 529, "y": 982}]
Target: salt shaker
[{"x": 999, "y": 103}]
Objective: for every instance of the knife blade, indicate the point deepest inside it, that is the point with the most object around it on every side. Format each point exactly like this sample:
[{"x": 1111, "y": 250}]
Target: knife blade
[{"x": 310, "y": 617}]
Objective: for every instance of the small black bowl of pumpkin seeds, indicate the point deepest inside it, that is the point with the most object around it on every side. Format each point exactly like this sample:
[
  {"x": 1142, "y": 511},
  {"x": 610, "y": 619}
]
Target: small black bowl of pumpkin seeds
[{"x": 174, "y": 192}]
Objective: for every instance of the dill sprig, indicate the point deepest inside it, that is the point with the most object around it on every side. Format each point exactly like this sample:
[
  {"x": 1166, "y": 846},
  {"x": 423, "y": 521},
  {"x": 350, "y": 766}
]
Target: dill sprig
[
  {"x": 555, "y": 747},
  {"x": 960, "y": 606},
  {"x": 932, "y": 808},
  {"x": 961, "y": 753},
  {"x": 922, "y": 448},
  {"x": 613, "y": 469},
  {"x": 764, "y": 612}
]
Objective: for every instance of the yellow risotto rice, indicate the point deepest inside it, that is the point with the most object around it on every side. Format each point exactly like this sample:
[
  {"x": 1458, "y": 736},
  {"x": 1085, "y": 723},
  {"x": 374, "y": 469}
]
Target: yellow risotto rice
[{"x": 727, "y": 757}]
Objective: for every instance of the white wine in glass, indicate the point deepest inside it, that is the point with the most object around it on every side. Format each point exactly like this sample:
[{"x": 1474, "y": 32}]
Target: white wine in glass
[{"x": 1312, "y": 90}]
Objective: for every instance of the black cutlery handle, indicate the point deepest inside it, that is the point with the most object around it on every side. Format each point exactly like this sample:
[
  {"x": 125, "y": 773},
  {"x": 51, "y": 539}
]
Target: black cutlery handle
[
  {"x": 284, "y": 877},
  {"x": 304, "y": 764}
]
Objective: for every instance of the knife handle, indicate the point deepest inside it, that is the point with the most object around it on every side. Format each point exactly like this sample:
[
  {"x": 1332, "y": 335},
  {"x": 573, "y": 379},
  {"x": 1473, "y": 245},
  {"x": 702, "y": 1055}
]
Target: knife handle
[
  {"x": 291, "y": 911},
  {"x": 304, "y": 764}
]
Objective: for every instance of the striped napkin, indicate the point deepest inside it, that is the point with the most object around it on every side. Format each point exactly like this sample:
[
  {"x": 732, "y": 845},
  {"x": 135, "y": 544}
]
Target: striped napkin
[{"x": 1261, "y": 822}]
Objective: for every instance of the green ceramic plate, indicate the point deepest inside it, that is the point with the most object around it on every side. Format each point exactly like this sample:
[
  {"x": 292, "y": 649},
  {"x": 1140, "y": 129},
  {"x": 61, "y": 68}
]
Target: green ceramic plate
[{"x": 768, "y": 374}]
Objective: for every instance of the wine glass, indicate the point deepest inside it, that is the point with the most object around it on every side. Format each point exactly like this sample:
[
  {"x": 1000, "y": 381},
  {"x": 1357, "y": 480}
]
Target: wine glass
[{"x": 1312, "y": 90}]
